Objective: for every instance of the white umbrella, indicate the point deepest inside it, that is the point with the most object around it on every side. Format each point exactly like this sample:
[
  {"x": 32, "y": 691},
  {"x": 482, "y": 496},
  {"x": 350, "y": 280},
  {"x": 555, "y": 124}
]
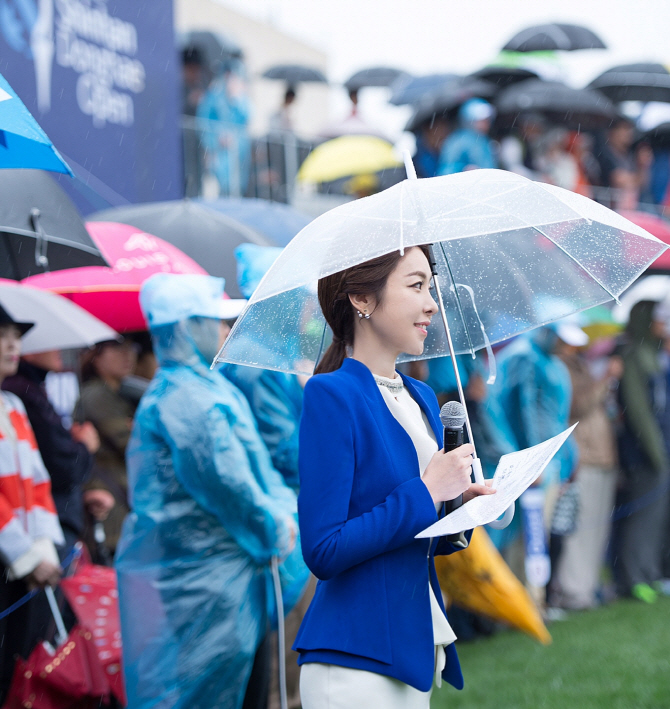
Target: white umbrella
[{"x": 60, "y": 324}]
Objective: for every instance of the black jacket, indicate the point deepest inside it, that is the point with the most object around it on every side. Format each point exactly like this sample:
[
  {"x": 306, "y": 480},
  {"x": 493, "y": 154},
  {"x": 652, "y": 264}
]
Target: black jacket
[{"x": 68, "y": 462}]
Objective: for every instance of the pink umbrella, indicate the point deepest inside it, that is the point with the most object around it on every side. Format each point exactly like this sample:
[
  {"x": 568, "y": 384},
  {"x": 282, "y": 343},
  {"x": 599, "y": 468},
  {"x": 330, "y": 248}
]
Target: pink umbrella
[
  {"x": 657, "y": 226},
  {"x": 112, "y": 294}
]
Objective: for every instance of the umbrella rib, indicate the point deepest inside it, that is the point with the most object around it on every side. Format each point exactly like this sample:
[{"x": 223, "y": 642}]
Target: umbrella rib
[
  {"x": 458, "y": 299},
  {"x": 581, "y": 265}
]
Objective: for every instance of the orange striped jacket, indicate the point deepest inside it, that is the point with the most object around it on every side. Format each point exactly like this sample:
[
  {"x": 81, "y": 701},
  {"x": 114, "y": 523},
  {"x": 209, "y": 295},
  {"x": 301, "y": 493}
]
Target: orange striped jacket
[{"x": 27, "y": 509}]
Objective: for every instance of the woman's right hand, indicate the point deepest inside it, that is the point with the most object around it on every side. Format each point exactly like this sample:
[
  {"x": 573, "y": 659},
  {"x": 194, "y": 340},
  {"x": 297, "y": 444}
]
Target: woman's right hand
[
  {"x": 44, "y": 574},
  {"x": 448, "y": 474}
]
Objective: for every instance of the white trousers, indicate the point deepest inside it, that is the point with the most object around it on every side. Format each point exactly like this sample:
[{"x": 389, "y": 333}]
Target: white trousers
[
  {"x": 333, "y": 687},
  {"x": 584, "y": 551}
]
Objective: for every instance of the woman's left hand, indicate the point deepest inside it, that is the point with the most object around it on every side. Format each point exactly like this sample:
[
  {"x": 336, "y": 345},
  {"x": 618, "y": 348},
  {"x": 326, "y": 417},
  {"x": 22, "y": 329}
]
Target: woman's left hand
[{"x": 475, "y": 490}]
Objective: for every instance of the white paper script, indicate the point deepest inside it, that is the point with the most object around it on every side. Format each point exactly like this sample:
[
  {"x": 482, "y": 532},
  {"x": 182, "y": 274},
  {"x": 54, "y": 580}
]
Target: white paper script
[{"x": 514, "y": 475}]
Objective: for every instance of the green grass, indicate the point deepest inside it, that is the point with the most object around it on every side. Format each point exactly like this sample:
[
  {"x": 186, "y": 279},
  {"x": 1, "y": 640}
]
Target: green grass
[{"x": 615, "y": 657}]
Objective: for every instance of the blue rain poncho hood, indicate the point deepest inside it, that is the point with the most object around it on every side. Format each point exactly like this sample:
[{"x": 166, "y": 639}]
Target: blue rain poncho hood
[
  {"x": 530, "y": 401},
  {"x": 209, "y": 512}
]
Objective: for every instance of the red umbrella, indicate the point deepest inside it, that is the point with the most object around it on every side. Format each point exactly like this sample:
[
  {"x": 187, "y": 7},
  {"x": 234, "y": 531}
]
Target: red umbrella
[
  {"x": 112, "y": 294},
  {"x": 69, "y": 677},
  {"x": 658, "y": 227},
  {"x": 92, "y": 593}
]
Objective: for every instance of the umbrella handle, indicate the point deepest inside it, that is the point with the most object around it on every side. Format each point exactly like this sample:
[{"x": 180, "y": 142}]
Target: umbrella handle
[
  {"x": 274, "y": 566},
  {"x": 505, "y": 520},
  {"x": 61, "y": 633}
]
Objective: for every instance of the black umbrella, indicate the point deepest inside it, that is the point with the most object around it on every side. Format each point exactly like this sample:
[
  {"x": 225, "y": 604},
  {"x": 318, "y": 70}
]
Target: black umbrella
[
  {"x": 446, "y": 102},
  {"x": 408, "y": 89},
  {"x": 40, "y": 228},
  {"x": 554, "y": 36},
  {"x": 374, "y": 76},
  {"x": 217, "y": 49},
  {"x": 207, "y": 236},
  {"x": 634, "y": 82},
  {"x": 504, "y": 76},
  {"x": 573, "y": 108},
  {"x": 295, "y": 74}
]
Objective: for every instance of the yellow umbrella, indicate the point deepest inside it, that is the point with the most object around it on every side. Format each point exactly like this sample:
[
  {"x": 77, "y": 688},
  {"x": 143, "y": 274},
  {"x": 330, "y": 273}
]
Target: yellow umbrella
[
  {"x": 479, "y": 580},
  {"x": 347, "y": 156}
]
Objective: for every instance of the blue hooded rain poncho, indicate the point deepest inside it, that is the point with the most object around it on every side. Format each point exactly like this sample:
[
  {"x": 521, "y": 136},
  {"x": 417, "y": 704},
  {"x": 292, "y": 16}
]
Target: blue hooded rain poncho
[
  {"x": 529, "y": 403},
  {"x": 209, "y": 512},
  {"x": 275, "y": 398}
]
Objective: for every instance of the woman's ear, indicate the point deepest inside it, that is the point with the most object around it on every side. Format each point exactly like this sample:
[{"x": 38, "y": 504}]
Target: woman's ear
[{"x": 362, "y": 303}]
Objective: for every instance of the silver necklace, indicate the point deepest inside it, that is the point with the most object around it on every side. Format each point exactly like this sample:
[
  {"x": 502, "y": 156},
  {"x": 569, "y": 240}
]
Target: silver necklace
[{"x": 395, "y": 386}]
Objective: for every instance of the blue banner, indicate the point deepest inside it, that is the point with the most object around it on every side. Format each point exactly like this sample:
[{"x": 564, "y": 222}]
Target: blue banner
[{"x": 102, "y": 79}]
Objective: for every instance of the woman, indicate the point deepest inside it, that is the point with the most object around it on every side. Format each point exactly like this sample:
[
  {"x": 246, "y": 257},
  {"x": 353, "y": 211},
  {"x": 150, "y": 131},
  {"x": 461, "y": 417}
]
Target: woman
[
  {"x": 103, "y": 404},
  {"x": 371, "y": 478},
  {"x": 29, "y": 528}
]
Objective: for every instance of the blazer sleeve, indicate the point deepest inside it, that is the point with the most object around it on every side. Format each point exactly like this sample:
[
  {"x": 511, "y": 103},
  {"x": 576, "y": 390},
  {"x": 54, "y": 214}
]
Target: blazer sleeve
[{"x": 331, "y": 541}]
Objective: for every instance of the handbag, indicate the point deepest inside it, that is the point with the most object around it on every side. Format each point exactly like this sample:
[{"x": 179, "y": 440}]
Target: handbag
[{"x": 564, "y": 518}]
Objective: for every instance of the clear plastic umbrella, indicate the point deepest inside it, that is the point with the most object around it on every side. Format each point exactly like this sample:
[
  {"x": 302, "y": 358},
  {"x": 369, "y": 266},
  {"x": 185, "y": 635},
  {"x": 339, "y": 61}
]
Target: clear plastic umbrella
[{"x": 510, "y": 255}]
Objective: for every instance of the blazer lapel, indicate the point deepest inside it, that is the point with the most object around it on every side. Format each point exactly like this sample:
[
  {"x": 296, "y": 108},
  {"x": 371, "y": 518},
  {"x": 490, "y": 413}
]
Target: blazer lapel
[{"x": 431, "y": 414}]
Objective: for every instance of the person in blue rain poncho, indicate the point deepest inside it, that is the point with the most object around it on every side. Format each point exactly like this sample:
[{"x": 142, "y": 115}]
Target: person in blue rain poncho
[
  {"x": 275, "y": 398},
  {"x": 530, "y": 402},
  {"x": 224, "y": 113},
  {"x": 208, "y": 513},
  {"x": 469, "y": 147}
]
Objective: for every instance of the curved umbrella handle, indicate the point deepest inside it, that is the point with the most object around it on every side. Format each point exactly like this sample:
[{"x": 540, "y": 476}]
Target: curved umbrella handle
[{"x": 504, "y": 520}]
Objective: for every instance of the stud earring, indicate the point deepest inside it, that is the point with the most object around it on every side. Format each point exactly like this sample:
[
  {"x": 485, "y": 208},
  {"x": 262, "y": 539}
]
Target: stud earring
[{"x": 367, "y": 315}]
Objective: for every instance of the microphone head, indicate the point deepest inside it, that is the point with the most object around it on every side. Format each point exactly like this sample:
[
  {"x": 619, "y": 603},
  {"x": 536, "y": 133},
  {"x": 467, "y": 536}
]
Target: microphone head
[{"x": 452, "y": 415}]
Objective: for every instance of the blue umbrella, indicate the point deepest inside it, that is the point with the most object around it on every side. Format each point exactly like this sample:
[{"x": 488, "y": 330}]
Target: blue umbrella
[
  {"x": 23, "y": 144},
  {"x": 273, "y": 220}
]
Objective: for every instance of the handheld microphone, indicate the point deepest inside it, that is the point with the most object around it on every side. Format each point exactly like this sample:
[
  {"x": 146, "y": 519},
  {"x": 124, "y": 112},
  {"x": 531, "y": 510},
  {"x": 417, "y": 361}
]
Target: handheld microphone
[{"x": 452, "y": 416}]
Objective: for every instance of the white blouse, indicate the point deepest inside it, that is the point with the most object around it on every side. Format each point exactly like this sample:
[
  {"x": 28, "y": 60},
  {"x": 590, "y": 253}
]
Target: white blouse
[{"x": 410, "y": 416}]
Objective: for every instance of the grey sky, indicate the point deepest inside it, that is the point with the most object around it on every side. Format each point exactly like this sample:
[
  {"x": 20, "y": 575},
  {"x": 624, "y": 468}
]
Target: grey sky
[
  {"x": 423, "y": 36},
  {"x": 426, "y": 36}
]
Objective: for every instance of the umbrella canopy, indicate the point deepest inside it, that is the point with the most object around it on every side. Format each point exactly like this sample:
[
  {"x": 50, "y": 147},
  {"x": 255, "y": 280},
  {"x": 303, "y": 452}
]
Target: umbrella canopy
[
  {"x": 274, "y": 220},
  {"x": 59, "y": 323},
  {"x": 204, "y": 234},
  {"x": 23, "y": 144},
  {"x": 348, "y": 156},
  {"x": 129, "y": 250},
  {"x": 554, "y": 36},
  {"x": 511, "y": 255},
  {"x": 446, "y": 101},
  {"x": 408, "y": 89},
  {"x": 657, "y": 226},
  {"x": 295, "y": 74},
  {"x": 40, "y": 228},
  {"x": 374, "y": 76},
  {"x": 503, "y": 76},
  {"x": 634, "y": 82},
  {"x": 512, "y": 67},
  {"x": 479, "y": 580},
  {"x": 112, "y": 294},
  {"x": 577, "y": 108}
]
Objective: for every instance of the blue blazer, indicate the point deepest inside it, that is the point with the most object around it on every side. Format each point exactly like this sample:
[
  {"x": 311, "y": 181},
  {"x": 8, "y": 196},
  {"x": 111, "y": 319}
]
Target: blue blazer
[{"x": 361, "y": 502}]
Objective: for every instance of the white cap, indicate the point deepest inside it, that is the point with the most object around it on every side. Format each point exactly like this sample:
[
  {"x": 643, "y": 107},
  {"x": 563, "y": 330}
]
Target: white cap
[
  {"x": 168, "y": 298},
  {"x": 571, "y": 334},
  {"x": 231, "y": 308}
]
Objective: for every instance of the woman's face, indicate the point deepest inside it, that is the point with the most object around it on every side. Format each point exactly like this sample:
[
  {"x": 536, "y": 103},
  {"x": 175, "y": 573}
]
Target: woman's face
[
  {"x": 400, "y": 321},
  {"x": 116, "y": 361},
  {"x": 10, "y": 350}
]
